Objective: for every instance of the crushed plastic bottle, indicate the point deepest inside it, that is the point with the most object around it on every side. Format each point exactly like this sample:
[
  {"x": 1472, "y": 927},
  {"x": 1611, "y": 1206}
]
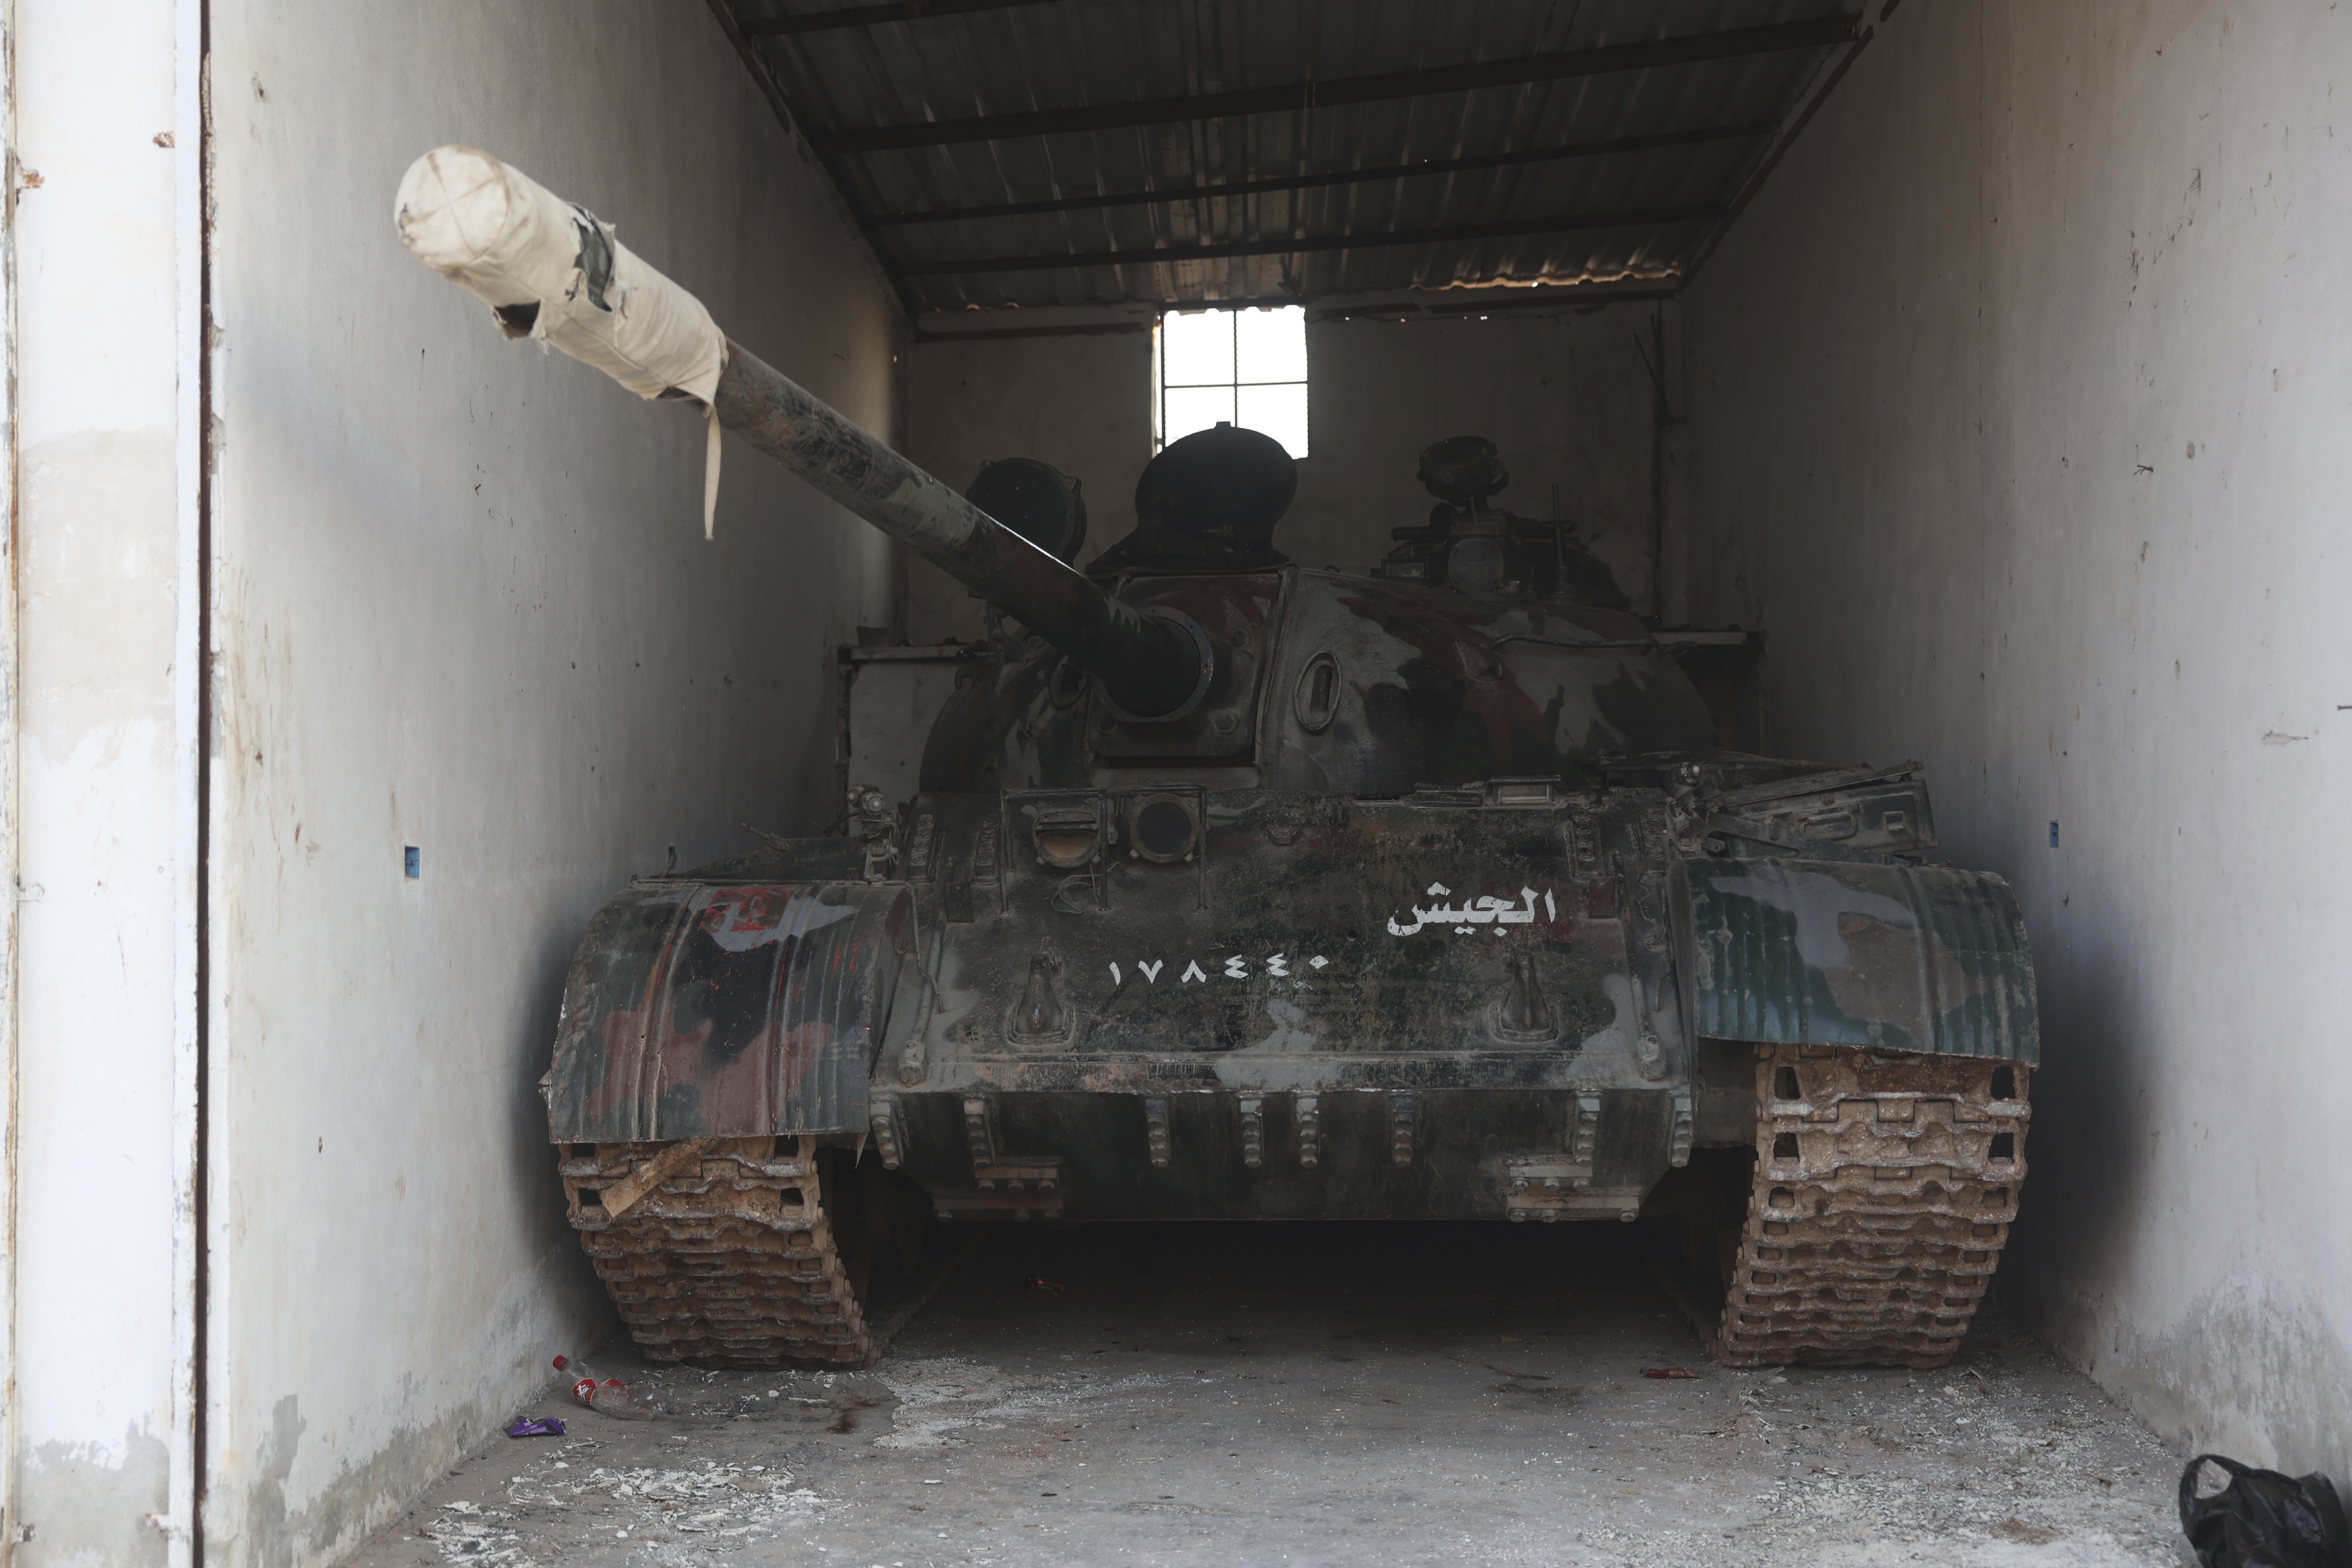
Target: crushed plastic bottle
[{"x": 606, "y": 1396}]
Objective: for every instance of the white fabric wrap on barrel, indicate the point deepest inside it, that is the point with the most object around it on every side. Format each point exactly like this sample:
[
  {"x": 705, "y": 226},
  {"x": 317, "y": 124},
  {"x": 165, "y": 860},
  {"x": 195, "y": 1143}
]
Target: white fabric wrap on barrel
[{"x": 511, "y": 241}]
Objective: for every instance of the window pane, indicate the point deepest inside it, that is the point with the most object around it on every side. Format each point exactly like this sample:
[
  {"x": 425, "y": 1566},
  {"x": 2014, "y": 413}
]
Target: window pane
[
  {"x": 1279, "y": 410},
  {"x": 1196, "y": 348},
  {"x": 1196, "y": 408},
  {"x": 1270, "y": 345}
]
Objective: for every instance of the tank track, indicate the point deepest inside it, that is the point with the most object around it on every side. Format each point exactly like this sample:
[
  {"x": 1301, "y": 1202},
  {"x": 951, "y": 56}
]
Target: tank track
[
  {"x": 730, "y": 1262},
  {"x": 1885, "y": 1185}
]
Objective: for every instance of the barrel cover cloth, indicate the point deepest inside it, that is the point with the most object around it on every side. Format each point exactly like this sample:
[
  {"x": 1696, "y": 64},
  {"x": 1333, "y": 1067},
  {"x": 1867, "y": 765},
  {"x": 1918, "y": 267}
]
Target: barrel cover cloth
[
  {"x": 552, "y": 269},
  {"x": 509, "y": 241},
  {"x": 695, "y": 1009},
  {"x": 1925, "y": 959}
]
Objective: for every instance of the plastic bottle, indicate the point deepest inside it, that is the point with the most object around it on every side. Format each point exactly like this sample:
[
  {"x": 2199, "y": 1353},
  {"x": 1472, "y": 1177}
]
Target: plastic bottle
[{"x": 606, "y": 1396}]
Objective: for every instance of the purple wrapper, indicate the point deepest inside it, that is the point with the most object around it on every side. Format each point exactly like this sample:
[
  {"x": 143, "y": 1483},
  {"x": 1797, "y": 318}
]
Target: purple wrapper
[{"x": 535, "y": 1427}]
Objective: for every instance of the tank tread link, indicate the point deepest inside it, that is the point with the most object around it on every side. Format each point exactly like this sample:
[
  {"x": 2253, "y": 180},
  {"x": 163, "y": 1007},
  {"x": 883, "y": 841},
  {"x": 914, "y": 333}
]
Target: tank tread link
[
  {"x": 731, "y": 1263},
  {"x": 1884, "y": 1187}
]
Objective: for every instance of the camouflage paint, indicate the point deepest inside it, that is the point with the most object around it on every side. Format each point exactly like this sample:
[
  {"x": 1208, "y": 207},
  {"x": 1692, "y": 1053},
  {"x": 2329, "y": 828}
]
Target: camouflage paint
[
  {"x": 697, "y": 1009},
  {"x": 1433, "y": 686},
  {"x": 1925, "y": 959}
]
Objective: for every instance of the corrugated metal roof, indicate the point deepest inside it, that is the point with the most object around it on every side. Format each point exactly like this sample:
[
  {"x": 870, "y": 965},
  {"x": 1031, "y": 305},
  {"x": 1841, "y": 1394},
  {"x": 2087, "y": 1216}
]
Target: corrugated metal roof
[{"x": 1698, "y": 128}]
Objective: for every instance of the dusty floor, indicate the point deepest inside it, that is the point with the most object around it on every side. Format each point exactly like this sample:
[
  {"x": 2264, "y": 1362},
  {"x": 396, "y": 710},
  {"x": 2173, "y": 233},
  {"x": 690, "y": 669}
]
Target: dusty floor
[{"x": 1303, "y": 1395}]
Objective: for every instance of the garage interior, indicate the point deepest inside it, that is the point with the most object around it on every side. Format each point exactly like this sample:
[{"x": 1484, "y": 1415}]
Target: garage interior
[{"x": 1940, "y": 381}]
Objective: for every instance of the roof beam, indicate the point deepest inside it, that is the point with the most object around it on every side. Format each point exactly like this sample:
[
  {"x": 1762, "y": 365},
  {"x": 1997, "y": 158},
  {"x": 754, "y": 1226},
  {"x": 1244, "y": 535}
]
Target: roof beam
[
  {"x": 872, "y": 16},
  {"x": 1344, "y": 177},
  {"x": 1551, "y": 297},
  {"x": 1819, "y": 33},
  {"x": 1567, "y": 224}
]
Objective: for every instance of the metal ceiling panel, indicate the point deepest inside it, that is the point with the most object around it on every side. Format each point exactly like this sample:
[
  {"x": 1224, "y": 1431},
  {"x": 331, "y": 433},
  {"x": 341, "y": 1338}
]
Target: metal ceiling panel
[{"x": 917, "y": 71}]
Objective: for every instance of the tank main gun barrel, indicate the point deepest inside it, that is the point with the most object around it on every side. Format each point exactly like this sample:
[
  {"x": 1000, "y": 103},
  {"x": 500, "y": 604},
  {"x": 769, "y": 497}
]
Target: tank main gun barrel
[
  {"x": 1149, "y": 665},
  {"x": 552, "y": 270}
]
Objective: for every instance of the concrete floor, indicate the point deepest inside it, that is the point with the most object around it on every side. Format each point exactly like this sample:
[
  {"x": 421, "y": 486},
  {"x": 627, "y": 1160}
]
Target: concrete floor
[{"x": 1216, "y": 1394}]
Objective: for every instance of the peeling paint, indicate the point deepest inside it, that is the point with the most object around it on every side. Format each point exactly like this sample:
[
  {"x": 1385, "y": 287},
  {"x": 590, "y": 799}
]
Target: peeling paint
[{"x": 88, "y": 1507}]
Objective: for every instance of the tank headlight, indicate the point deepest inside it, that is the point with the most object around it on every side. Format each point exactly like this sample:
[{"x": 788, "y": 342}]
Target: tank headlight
[
  {"x": 1067, "y": 837},
  {"x": 1163, "y": 828}
]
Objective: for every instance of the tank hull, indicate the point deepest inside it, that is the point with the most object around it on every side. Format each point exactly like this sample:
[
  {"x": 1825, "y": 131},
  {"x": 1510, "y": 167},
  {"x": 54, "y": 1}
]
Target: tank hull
[{"x": 1143, "y": 1000}]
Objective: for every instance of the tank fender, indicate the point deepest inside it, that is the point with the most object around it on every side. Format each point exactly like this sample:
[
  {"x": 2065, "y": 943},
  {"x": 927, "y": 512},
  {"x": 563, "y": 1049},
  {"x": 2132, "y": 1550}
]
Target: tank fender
[
  {"x": 1811, "y": 952},
  {"x": 727, "y": 1009}
]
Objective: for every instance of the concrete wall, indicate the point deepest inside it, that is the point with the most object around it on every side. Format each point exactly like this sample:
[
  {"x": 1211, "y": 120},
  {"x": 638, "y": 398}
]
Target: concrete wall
[
  {"x": 2017, "y": 404},
  {"x": 1569, "y": 398},
  {"x": 459, "y": 600},
  {"x": 462, "y": 601},
  {"x": 105, "y": 744}
]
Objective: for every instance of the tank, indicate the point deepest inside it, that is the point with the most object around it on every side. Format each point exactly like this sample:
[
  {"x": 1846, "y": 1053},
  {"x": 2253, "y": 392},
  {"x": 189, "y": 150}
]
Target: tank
[{"x": 1240, "y": 889}]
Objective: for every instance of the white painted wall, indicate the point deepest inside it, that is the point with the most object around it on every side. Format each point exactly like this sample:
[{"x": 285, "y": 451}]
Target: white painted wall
[
  {"x": 1567, "y": 398},
  {"x": 104, "y": 715},
  {"x": 2019, "y": 403},
  {"x": 459, "y": 600}
]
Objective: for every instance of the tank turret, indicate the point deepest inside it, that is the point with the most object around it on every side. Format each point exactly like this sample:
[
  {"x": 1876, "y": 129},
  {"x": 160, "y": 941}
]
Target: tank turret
[{"x": 1486, "y": 646}]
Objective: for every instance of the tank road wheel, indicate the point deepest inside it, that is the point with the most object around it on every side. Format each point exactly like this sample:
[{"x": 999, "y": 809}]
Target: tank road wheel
[
  {"x": 720, "y": 1251},
  {"x": 1885, "y": 1183}
]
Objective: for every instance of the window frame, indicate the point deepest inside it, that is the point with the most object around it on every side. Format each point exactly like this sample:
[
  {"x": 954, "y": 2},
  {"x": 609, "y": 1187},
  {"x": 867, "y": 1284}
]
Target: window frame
[{"x": 1160, "y": 385}]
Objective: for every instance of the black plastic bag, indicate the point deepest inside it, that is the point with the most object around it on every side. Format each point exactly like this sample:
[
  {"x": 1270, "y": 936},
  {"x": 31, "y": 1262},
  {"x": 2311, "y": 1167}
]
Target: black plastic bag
[{"x": 2264, "y": 1519}]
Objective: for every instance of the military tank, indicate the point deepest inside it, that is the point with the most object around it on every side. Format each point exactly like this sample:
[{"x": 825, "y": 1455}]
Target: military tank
[{"x": 1240, "y": 889}]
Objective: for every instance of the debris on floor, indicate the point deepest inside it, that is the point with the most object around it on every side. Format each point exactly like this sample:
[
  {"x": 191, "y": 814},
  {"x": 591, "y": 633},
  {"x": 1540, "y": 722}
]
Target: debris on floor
[{"x": 1289, "y": 1396}]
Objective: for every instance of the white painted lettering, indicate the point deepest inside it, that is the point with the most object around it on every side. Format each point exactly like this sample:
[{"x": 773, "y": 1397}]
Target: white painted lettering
[
  {"x": 1484, "y": 910},
  {"x": 1236, "y": 969},
  {"x": 1152, "y": 970},
  {"x": 1274, "y": 967},
  {"x": 1192, "y": 972}
]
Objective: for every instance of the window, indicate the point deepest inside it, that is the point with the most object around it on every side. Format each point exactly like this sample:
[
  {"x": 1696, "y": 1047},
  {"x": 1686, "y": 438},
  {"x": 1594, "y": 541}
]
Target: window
[{"x": 1248, "y": 366}]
